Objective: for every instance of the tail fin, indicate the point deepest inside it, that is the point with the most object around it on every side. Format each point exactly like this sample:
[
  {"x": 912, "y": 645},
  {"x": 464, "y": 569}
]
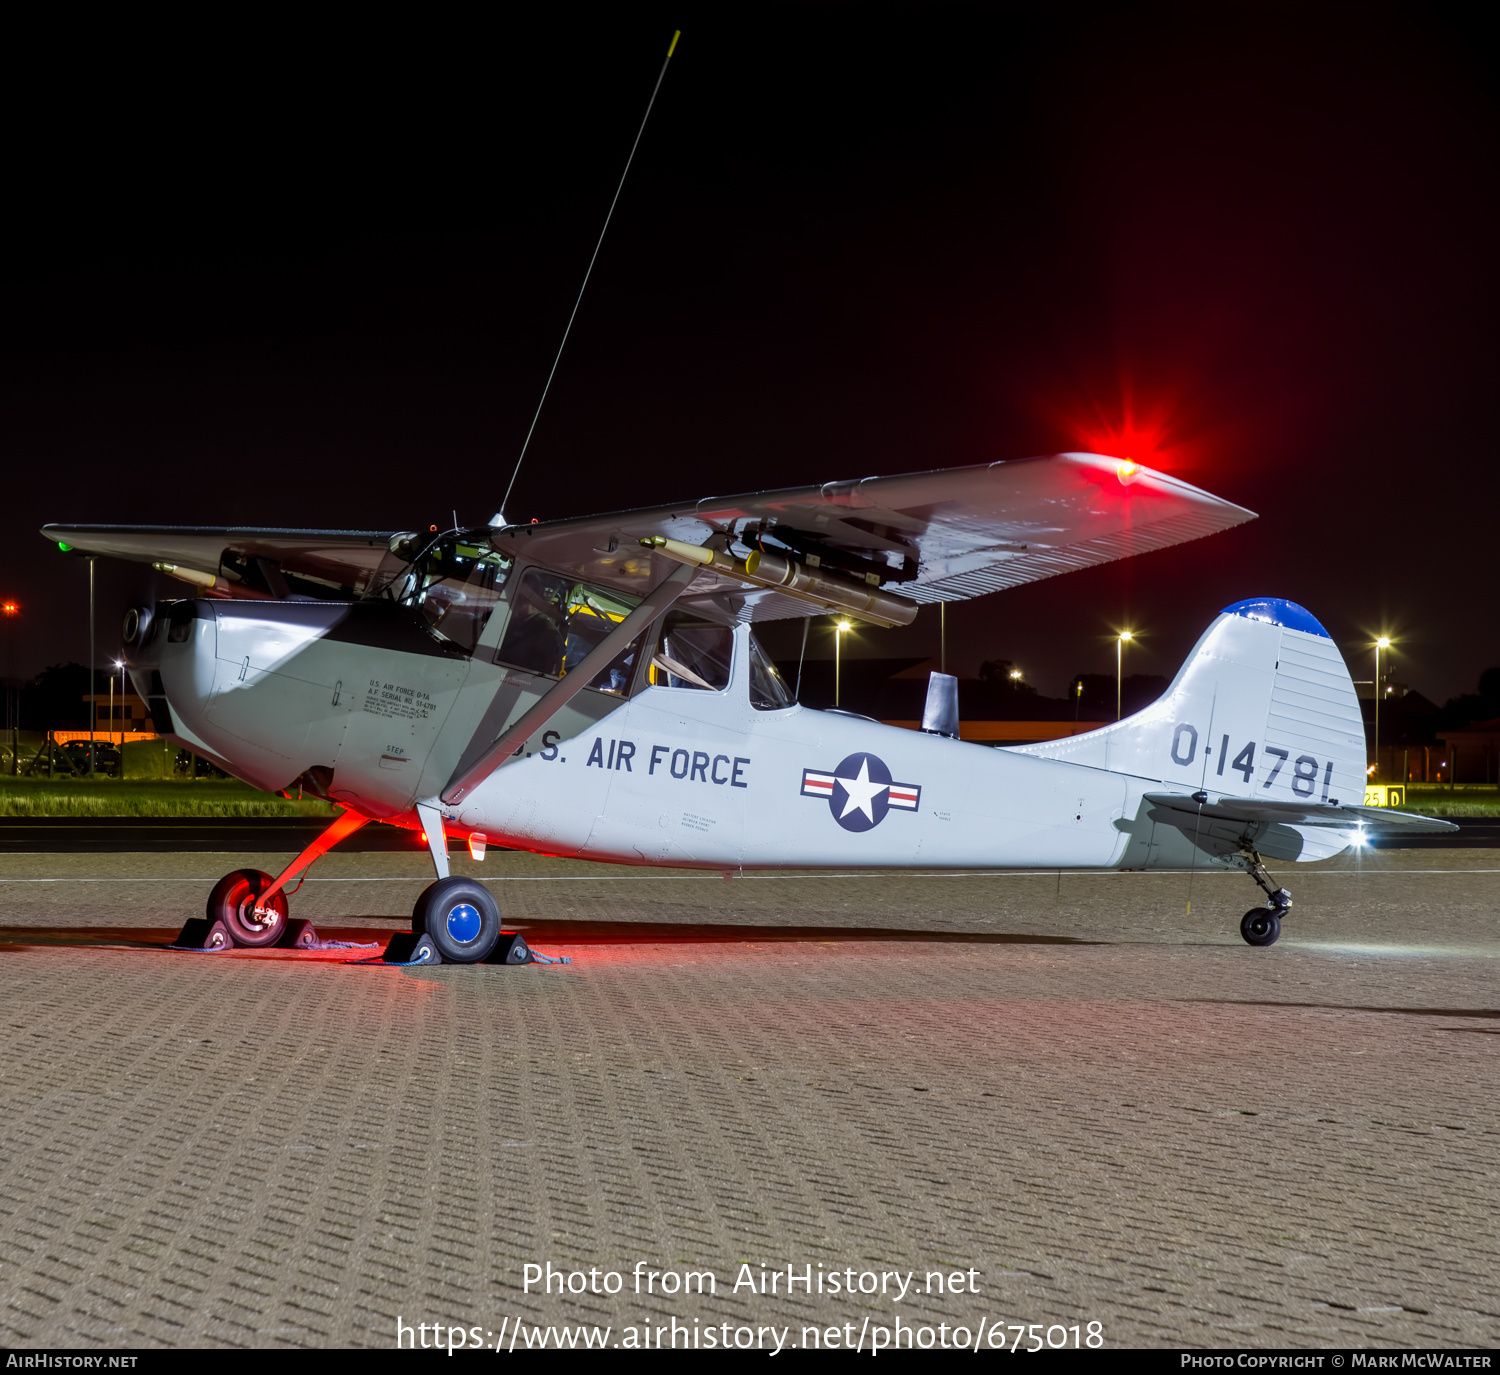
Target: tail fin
[{"x": 1263, "y": 708}]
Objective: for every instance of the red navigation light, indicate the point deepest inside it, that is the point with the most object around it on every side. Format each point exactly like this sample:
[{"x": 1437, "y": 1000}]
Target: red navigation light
[
  {"x": 10, "y": 608},
  {"x": 1127, "y": 470}
]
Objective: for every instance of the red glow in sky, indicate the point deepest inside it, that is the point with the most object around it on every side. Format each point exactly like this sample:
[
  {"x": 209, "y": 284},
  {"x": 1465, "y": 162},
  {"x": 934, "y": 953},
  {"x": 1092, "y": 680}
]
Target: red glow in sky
[
  {"x": 1155, "y": 431},
  {"x": 1147, "y": 436}
]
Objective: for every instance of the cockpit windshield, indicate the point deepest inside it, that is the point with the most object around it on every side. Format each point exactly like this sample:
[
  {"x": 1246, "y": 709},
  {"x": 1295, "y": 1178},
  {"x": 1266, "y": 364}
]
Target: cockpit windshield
[{"x": 456, "y": 584}]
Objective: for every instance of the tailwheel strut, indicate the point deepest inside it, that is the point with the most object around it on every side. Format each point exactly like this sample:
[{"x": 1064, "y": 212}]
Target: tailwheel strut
[
  {"x": 249, "y": 908},
  {"x": 1262, "y": 925}
]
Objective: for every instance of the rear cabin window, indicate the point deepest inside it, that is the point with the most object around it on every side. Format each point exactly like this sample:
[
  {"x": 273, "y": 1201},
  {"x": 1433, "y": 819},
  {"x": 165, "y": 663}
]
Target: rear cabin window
[
  {"x": 693, "y": 653},
  {"x": 556, "y": 622},
  {"x": 767, "y": 690}
]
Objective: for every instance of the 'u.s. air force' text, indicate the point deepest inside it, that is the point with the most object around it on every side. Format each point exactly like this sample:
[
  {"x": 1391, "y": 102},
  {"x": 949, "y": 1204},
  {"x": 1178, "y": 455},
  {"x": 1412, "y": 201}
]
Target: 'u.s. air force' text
[
  {"x": 692, "y": 766},
  {"x": 664, "y": 761}
]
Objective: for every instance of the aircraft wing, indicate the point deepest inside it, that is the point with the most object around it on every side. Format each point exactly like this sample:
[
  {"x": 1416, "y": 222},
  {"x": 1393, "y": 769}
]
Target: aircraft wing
[
  {"x": 946, "y": 535},
  {"x": 270, "y": 562},
  {"x": 1251, "y": 812}
]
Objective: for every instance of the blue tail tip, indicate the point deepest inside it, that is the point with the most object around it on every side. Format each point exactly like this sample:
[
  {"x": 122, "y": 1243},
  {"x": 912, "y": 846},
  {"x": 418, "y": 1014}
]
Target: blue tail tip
[{"x": 1275, "y": 611}]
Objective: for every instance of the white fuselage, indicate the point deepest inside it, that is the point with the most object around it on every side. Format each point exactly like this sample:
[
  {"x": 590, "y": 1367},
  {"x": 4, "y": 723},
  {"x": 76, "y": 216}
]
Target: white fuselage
[{"x": 384, "y": 716}]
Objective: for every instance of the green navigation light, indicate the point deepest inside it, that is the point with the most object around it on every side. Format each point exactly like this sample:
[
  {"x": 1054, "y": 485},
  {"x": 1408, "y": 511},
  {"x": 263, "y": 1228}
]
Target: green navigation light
[{"x": 66, "y": 548}]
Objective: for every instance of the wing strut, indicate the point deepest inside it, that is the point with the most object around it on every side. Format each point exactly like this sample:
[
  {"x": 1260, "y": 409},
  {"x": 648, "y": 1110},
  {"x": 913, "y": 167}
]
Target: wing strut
[{"x": 552, "y": 701}]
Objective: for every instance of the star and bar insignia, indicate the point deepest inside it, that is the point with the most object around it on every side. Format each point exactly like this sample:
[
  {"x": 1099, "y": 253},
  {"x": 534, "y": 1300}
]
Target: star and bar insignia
[{"x": 860, "y": 791}]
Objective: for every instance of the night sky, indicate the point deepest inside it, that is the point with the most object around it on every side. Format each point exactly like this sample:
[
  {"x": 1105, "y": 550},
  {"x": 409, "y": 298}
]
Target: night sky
[{"x": 315, "y": 277}]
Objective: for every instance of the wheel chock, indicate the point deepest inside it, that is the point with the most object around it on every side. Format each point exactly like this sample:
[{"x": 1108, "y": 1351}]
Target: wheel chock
[
  {"x": 406, "y": 947},
  {"x": 511, "y": 948},
  {"x": 300, "y": 935},
  {"x": 198, "y": 933}
]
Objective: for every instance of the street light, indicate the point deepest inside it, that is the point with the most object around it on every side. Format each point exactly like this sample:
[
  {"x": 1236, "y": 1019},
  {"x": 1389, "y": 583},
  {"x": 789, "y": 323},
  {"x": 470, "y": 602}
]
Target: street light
[
  {"x": 1384, "y": 642},
  {"x": 1120, "y": 670},
  {"x": 119, "y": 664},
  {"x": 839, "y": 630}
]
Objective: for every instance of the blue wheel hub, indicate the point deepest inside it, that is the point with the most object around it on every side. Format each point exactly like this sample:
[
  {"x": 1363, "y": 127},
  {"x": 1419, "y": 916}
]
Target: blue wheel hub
[{"x": 464, "y": 922}]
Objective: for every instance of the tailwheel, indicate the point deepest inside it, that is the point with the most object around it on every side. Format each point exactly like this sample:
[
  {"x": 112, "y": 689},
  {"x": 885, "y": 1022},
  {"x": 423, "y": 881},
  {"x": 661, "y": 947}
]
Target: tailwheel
[
  {"x": 235, "y": 902},
  {"x": 461, "y": 917},
  {"x": 1260, "y": 926}
]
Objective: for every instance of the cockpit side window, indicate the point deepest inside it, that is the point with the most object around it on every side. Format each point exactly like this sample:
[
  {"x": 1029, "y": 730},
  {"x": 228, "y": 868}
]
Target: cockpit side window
[
  {"x": 767, "y": 690},
  {"x": 693, "y": 653},
  {"x": 456, "y": 585},
  {"x": 556, "y": 622}
]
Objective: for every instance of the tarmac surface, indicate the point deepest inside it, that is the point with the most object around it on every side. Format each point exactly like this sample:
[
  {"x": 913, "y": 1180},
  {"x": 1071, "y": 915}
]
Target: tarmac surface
[
  {"x": 255, "y": 835},
  {"x": 1108, "y": 1110}
]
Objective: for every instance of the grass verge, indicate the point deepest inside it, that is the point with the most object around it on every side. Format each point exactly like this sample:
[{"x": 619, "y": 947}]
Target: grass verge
[
  {"x": 111, "y": 797},
  {"x": 1470, "y": 800}
]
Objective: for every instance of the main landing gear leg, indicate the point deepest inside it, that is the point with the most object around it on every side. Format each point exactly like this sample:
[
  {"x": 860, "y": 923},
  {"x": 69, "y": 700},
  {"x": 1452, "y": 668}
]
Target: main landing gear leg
[
  {"x": 1262, "y": 925},
  {"x": 456, "y": 920},
  {"x": 248, "y": 907}
]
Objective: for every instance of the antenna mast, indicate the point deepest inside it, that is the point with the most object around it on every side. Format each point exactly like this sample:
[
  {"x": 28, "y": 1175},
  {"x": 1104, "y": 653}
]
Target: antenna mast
[{"x": 671, "y": 48}]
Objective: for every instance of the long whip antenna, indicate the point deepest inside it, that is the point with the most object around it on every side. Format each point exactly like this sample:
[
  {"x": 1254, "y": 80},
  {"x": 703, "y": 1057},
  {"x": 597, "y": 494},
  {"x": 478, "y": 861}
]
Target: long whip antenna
[{"x": 671, "y": 48}]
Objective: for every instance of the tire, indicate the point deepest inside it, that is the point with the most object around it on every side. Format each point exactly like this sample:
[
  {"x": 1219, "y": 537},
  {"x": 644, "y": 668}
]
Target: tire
[
  {"x": 419, "y": 911},
  {"x": 1260, "y": 926},
  {"x": 462, "y": 918},
  {"x": 233, "y": 903}
]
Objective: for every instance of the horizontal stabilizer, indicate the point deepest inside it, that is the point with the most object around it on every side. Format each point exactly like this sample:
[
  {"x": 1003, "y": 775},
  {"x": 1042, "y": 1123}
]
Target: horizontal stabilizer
[{"x": 1256, "y": 812}]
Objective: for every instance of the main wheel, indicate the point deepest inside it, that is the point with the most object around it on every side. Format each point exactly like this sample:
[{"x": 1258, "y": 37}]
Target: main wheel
[
  {"x": 419, "y": 911},
  {"x": 235, "y": 902},
  {"x": 463, "y": 919},
  {"x": 1260, "y": 926}
]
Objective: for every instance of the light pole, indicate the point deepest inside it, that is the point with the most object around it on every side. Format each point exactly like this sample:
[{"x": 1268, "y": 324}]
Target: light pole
[
  {"x": 1120, "y": 671},
  {"x": 12, "y": 710},
  {"x": 93, "y": 708},
  {"x": 839, "y": 629},
  {"x": 1383, "y": 642}
]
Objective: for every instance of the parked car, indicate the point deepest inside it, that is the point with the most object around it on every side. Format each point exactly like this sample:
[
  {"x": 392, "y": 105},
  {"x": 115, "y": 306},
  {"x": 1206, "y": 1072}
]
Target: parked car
[
  {"x": 106, "y": 757},
  {"x": 190, "y": 765}
]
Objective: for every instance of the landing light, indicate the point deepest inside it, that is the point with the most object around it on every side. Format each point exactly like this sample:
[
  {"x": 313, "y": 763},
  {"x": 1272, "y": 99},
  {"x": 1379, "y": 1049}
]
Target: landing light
[{"x": 1127, "y": 470}]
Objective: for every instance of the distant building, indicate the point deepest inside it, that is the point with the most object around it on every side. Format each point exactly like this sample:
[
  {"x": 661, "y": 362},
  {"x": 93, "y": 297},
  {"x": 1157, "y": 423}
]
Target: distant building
[
  {"x": 131, "y": 716},
  {"x": 1474, "y": 752}
]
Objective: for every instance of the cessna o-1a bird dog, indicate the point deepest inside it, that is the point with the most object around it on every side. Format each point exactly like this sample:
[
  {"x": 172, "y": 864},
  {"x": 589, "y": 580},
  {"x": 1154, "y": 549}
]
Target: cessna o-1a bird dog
[{"x": 594, "y": 688}]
